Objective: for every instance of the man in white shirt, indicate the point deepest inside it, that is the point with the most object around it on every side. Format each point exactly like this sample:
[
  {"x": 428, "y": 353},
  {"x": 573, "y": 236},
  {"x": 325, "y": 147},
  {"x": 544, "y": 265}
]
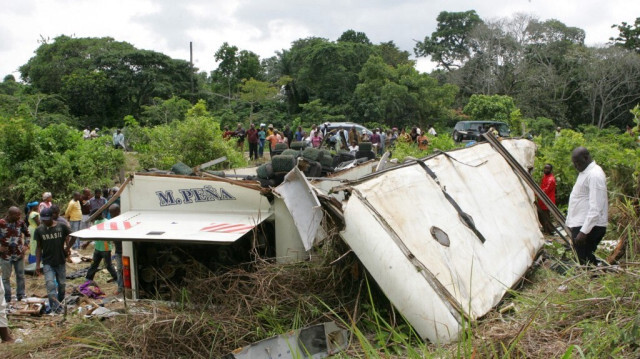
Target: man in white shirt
[
  {"x": 432, "y": 131},
  {"x": 588, "y": 213},
  {"x": 118, "y": 139}
]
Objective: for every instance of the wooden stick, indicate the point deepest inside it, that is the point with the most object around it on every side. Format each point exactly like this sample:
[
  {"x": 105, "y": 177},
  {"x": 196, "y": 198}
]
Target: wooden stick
[{"x": 110, "y": 201}]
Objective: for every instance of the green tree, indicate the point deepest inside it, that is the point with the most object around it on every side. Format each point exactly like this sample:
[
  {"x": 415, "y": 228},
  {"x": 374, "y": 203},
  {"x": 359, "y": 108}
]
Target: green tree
[
  {"x": 399, "y": 96},
  {"x": 255, "y": 92},
  {"x": 101, "y": 79},
  {"x": 9, "y": 86},
  {"x": 324, "y": 70},
  {"x": 629, "y": 35},
  {"x": 448, "y": 45},
  {"x": 164, "y": 111},
  {"x": 314, "y": 112},
  {"x": 194, "y": 141},
  {"x": 233, "y": 67},
  {"x": 490, "y": 108},
  {"x": 355, "y": 37},
  {"x": 392, "y": 55}
]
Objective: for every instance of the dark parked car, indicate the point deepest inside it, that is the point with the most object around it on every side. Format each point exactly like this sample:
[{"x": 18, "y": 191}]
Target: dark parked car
[{"x": 471, "y": 130}]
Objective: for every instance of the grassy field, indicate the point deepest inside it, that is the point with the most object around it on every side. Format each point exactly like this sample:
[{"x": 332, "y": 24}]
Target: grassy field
[{"x": 557, "y": 312}]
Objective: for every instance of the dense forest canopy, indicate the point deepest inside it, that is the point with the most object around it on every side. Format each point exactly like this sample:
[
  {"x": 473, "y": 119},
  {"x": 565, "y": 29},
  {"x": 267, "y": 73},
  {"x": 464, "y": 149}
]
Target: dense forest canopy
[{"x": 543, "y": 65}]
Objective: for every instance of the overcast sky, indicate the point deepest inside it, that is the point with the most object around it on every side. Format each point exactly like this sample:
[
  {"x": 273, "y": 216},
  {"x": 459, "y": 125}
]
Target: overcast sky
[{"x": 265, "y": 26}]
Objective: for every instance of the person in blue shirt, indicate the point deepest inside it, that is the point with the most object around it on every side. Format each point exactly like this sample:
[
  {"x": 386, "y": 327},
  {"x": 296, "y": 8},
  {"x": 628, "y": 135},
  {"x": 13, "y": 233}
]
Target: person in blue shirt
[
  {"x": 262, "y": 136},
  {"x": 299, "y": 134}
]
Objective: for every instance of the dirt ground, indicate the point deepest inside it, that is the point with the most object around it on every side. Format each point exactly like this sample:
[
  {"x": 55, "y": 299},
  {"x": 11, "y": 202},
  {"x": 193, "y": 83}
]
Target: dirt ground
[{"x": 29, "y": 328}]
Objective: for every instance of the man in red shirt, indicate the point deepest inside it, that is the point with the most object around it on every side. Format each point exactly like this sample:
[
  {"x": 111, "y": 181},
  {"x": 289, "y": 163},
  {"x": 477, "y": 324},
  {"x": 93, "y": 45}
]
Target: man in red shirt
[{"x": 548, "y": 185}]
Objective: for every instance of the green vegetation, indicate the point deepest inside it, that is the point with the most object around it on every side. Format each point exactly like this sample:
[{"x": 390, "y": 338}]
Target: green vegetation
[
  {"x": 533, "y": 74},
  {"x": 194, "y": 140},
  {"x": 617, "y": 154},
  {"x": 57, "y": 159},
  {"x": 54, "y": 159}
]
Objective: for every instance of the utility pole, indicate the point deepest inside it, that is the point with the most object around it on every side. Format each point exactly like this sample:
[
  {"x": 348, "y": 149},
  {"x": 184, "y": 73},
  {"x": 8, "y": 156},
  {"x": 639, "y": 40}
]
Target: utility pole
[{"x": 191, "y": 62}]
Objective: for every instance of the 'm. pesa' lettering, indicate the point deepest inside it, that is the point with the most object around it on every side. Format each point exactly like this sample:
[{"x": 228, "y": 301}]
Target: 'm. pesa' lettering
[{"x": 193, "y": 195}]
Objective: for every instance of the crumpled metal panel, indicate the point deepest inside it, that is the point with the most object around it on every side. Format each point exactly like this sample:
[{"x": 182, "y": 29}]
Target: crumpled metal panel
[
  {"x": 316, "y": 342},
  {"x": 388, "y": 221},
  {"x": 303, "y": 204}
]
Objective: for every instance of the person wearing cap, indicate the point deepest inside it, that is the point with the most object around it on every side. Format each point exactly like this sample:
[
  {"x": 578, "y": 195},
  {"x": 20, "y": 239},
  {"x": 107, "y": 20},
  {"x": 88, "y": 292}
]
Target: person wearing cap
[
  {"x": 262, "y": 137},
  {"x": 46, "y": 201},
  {"x": 52, "y": 250},
  {"x": 14, "y": 243}
]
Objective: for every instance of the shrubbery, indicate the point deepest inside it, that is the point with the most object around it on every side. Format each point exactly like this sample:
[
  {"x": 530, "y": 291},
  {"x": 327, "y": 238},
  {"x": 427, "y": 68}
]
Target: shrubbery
[
  {"x": 442, "y": 142},
  {"x": 617, "y": 154},
  {"x": 54, "y": 159},
  {"x": 194, "y": 140}
]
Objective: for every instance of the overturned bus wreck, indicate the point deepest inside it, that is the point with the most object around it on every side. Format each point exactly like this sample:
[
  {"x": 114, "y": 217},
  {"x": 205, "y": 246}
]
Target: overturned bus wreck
[{"x": 444, "y": 237}]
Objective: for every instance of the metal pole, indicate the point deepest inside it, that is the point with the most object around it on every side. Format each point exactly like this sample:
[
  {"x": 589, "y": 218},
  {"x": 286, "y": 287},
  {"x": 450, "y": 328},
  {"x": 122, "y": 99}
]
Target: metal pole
[{"x": 191, "y": 62}]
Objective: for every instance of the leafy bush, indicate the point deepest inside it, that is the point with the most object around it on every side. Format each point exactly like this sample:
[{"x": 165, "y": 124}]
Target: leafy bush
[
  {"x": 194, "y": 141},
  {"x": 54, "y": 159},
  {"x": 617, "y": 154},
  {"x": 442, "y": 142}
]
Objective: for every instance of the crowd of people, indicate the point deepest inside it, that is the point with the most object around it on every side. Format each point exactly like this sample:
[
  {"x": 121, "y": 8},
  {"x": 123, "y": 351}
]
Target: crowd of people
[
  {"x": 341, "y": 138},
  {"x": 43, "y": 236}
]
